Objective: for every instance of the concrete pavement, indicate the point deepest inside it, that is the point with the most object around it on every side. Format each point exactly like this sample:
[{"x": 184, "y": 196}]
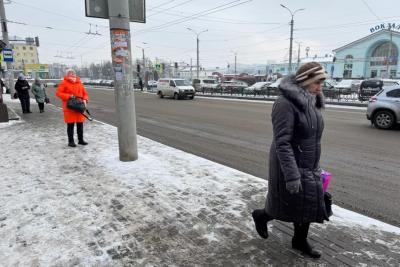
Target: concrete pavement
[
  {"x": 82, "y": 207},
  {"x": 364, "y": 161}
]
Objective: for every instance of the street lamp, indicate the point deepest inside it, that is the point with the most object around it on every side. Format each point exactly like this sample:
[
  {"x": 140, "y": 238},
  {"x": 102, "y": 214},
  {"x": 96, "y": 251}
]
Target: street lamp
[
  {"x": 291, "y": 34},
  {"x": 144, "y": 64},
  {"x": 144, "y": 61},
  {"x": 197, "y": 39}
]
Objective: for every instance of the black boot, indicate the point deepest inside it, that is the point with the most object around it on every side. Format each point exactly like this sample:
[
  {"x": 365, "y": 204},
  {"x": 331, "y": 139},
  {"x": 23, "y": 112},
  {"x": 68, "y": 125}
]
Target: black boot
[
  {"x": 300, "y": 241},
  {"x": 79, "y": 128},
  {"x": 70, "y": 132},
  {"x": 261, "y": 219},
  {"x": 306, "y": 248}
]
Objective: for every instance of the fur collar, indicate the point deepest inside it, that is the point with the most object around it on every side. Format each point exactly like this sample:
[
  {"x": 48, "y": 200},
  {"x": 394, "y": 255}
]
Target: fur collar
[{"x": 297, "y": 95}]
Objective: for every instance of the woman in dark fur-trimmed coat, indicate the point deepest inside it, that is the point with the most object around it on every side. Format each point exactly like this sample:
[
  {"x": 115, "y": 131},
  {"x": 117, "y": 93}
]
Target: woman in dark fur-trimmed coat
[{"x": 294, "y": 188}]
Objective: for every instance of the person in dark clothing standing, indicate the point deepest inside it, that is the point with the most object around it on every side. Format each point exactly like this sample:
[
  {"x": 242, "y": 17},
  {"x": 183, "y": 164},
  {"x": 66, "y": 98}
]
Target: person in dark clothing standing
[
  {"x": 295, "y": 191},
  {"x": 141, "y": 84},
  {"x": 22, "y": 87}
]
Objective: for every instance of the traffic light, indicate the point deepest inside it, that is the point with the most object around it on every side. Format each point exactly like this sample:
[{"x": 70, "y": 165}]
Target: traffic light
[
  {"x": 176, "y": 65},
  {"x": 138, "y": 68},
  {"x": 37, "y": 41}
]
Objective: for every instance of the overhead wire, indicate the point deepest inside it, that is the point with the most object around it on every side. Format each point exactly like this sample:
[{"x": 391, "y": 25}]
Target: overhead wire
[
  {"x": 225, "y": 6},
  {"x": 370, "y": 9},
  {"x": 178, "y": 5}
]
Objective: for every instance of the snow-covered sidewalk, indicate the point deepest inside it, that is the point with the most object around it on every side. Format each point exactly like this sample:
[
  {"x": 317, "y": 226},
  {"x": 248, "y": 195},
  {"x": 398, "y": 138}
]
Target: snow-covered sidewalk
[{"x": 62, "y": 206}]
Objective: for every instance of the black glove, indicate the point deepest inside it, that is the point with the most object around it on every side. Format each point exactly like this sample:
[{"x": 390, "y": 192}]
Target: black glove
[{"x": 293, "y": 187}]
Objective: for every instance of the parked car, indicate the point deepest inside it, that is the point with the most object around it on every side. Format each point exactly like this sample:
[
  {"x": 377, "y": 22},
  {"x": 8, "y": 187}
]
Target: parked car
[
  {"x": 152, "y": 84},
  {"x": 348, "y": 85},
  {"x": 176, "y": 88},
  {"x": 272, "y": 89},
  {"x": 371, "y": 87},
  {"x": 109, "y": 83},
  {"x": 233, "y": 86},
  {"x": 136, "y": 84},
  {"x": 206, "y": 85},
  {"x": 384, "y": 108},
  {"x": 257, "y": 88}
]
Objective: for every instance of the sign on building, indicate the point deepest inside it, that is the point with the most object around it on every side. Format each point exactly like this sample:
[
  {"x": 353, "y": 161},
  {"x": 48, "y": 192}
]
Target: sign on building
[
  {"x": 8, "y": 55},
  {"x": 99, "y": 9},
  {"x": 383, "y": 26}
]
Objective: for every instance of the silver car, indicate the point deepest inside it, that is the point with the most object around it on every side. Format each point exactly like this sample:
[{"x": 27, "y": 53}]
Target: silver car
[{"x": 384, "y": 108}]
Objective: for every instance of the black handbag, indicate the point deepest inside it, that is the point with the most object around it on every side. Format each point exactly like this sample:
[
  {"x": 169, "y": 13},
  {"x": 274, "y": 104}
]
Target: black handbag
[
  {"x": 76, "y": 104},
  {"x": 46, "y": 99},
  {"x": 328, "y": 204}
]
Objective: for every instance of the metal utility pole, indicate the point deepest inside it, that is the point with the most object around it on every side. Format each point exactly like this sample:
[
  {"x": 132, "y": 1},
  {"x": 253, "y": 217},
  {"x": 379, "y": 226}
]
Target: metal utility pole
[
  {"x": 9, "y": 75},
  {"x": 123, "y": 79},
  {"x": 291, "y": 35},
  {"x": 144, "y": 66},
  {"x": 191, "y": 67},
  {"x": 298, "y": 56},
  {"x": 235, "y": 53},
  {"x": 198, "y": 41},
  {"x": 389, "y": 53},
  {"x": 235, "y": 63}
]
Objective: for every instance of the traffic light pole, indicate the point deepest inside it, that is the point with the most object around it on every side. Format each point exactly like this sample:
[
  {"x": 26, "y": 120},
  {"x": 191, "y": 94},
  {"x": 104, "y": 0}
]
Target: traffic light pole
[
  {"x": 9, "y": 75},
  {"x": 123, "y": 80}
]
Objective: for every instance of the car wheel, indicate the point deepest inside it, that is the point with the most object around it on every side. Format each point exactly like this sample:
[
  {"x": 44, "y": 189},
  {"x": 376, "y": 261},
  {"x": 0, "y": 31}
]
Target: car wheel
[
  {"x": 160, "y": 94},
  {"x": 384, "y": 119},
  {"x": 192, "y": 97},
  {"x": 176, "y": 96}
]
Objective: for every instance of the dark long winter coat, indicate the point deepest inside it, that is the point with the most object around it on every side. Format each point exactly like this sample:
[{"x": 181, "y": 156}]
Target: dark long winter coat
[
  {"x": 295, "y": 154},
  {"x": 22, "y": 87}
]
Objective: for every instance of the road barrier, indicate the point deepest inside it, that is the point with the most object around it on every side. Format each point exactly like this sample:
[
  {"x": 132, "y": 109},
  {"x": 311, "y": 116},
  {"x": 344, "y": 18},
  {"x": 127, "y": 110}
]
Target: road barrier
[{"x": 333, "y": 95}]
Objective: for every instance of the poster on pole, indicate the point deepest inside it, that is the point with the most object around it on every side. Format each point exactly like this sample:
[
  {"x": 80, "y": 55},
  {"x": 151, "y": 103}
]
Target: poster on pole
[
  {"x": 99, "y": 9},
  {"x": 120, "y": 51}
]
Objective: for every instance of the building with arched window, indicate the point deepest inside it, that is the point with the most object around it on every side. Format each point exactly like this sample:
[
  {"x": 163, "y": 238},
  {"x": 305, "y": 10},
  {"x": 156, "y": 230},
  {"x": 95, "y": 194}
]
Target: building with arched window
[{"x": 375, "y": 55}]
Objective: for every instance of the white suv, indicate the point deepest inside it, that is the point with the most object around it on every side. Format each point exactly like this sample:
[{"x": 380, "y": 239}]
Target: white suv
[
  {"x": 384, "y": 108},
  {"x": 176, "y": 88}
]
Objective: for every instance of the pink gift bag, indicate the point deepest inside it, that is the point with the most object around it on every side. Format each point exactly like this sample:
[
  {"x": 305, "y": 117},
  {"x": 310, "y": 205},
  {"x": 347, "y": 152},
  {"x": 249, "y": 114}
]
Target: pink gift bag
[{"x": 326, "y": 179}]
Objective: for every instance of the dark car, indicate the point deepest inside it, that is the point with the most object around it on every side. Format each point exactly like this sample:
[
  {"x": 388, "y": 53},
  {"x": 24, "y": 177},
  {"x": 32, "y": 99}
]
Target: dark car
[{"x": 369, "y": 88}]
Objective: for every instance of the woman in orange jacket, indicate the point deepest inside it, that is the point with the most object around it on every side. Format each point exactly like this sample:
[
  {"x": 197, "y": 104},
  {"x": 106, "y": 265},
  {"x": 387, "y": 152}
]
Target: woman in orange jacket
[{"x": 72, "y": 86}]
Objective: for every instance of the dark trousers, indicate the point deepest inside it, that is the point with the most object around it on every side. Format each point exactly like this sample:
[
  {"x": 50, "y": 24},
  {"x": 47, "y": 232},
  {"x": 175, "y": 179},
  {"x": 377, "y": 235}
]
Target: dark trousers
[
  {"x": 301, "y": 231},
  {"x": 79, "y": 130},
  {"x": 41, "y": 106},
  {"x": 25, "y": 103}
]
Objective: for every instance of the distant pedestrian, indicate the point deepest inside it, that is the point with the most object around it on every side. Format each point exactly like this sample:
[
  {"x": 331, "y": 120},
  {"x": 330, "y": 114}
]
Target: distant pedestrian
[
  {"x": 295, "y": 191},
  {"x": 141, "y": 84},
  {"x": 39, "y": 93},
  {"x": 22, "y": 92},
  {"x": 72, "y": 86}
]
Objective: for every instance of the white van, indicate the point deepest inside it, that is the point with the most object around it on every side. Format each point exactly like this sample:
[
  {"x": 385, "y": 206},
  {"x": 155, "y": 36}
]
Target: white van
[{"x": 176, "y": 88}]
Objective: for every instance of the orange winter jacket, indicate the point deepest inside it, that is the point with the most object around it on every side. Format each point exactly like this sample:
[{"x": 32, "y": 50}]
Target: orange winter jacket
[{"x": 65, "y": 90}]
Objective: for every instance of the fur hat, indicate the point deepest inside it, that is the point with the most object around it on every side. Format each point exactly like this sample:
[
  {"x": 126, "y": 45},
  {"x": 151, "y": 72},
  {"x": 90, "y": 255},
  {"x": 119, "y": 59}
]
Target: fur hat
[
  {"x": 309, "y": 73},
  {"x": 70, "y": 72}
]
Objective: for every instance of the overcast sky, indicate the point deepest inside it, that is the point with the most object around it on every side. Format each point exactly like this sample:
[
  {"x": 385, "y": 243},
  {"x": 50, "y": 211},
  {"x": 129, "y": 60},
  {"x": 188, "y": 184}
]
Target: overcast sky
[{"x": 257, "y": 30}]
